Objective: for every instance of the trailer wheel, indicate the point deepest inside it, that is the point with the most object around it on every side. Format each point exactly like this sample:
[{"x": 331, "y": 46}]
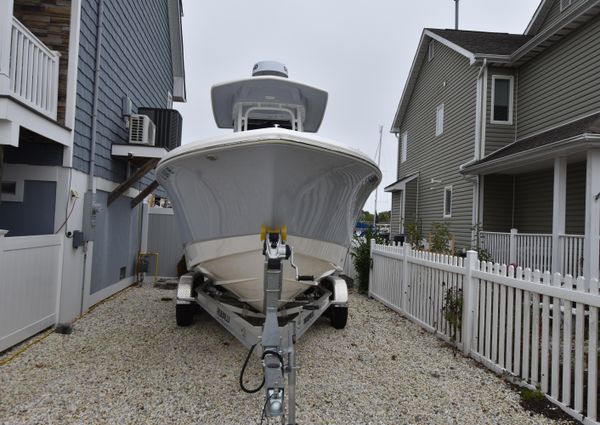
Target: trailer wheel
[
  {"x": 339, "y": 317},
  {"x": 184, "y": 313}
]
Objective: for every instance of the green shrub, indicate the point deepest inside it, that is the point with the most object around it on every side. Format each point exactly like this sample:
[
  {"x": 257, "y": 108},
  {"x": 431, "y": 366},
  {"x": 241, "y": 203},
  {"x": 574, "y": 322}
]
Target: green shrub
[
  {"x": 362, "y": 258},
  {"x": 415, "y": 237},
  {"x": 453, "y": 310},
  {"x": 440, "y": 239}
]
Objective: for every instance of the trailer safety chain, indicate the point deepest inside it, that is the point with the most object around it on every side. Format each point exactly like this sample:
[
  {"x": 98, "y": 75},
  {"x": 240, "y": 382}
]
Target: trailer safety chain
[{"x": 246, "y": 390}]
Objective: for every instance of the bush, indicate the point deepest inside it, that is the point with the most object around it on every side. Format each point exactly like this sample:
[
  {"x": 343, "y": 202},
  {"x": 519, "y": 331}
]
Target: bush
[
  {"x": 362, "y": 258},
  {"x": 440, "y": 239},
  {"x": 415, "y": 237}
]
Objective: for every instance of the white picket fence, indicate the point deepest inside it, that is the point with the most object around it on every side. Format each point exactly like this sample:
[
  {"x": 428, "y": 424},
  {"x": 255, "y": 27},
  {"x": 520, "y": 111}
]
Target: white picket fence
[
  {"x": 30, "y": 276},
  {"x": 539, "y": 329}
]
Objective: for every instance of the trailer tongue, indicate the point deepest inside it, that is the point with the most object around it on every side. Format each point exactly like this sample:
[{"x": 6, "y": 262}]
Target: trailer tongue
[{"x": 276, "y": 343}]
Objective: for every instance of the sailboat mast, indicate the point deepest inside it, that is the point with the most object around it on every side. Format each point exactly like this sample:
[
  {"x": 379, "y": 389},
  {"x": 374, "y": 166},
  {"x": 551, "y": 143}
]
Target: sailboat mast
[{"x": 378, "y": 153}]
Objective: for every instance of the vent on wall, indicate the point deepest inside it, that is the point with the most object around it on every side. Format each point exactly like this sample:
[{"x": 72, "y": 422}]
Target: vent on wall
[
  {"x": 142, "y": 130},
  {"x": 168, "y": 126}
]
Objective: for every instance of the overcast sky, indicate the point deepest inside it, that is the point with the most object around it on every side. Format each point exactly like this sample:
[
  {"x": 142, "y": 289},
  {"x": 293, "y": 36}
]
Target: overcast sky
[{"x": 359, "y": 51}]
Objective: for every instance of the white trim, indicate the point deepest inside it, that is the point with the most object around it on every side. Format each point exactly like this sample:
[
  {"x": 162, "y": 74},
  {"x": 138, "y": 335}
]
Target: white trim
[
  {"x": 511, "y": 86},
  {"x": 137, "y": 151},
  {"x": 455, "y": 47},
  {"x": 439, "y": 120},
  {"x": 563, "y": 7},
  {"x": 13, "y": 115},
  {"x": 101, "y": 295},
  {"x": 431, "y": 50},
  {"x": 404, "y": 147},
  {"x": 449, "y": 214},
  {"x": 104, "y": 185},
  {"x": 160, "y": 211},
  {"x": 72, "y": 65},
  {"x": 484, "y": 115}
]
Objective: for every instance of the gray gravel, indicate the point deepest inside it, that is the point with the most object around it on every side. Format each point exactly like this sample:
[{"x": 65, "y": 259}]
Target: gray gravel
[{"x": 128, "y": 363}]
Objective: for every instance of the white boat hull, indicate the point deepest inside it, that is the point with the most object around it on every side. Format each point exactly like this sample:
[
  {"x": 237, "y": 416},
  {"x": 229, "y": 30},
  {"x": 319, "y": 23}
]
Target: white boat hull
[{"x": 225, "y": 189}]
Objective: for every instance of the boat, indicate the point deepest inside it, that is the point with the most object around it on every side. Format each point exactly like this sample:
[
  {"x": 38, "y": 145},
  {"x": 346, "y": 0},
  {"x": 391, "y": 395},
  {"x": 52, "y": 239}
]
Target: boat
[{"x": 271, "y": 173}]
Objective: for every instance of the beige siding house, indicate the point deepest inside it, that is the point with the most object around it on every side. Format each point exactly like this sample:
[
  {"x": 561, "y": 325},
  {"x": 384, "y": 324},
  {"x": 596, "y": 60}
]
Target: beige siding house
[{"x": 519, "y": 151}]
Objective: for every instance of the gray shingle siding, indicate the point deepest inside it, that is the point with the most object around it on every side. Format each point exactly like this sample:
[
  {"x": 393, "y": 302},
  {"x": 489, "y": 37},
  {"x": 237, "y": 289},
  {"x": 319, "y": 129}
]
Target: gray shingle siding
[
  {"x": 561, "y": 84},
  {"x": 135, "y": 62},
  {"x": 447, "y": 79}
]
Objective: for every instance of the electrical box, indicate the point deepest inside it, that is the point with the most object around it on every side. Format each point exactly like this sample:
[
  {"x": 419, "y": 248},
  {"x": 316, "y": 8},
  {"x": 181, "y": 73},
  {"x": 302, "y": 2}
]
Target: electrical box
[{"x": 91, "y": 209}]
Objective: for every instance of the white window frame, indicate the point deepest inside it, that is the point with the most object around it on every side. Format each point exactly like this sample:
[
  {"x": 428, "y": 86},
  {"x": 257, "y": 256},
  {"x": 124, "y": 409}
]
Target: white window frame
[
  {"x": 511, "y": 85},
  {"x": 431, "y": 51},
  {"x": 439, "y": 120},
  {"x": 404, "y": 147},
  {"x": 449, "y": 213},
  {"x": 564, "y": 4}
]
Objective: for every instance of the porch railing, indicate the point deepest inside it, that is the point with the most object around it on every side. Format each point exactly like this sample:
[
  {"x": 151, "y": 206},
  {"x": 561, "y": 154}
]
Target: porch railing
[
  {"x": 534, "y": 250},
  {"x": 33, "y": 71}
]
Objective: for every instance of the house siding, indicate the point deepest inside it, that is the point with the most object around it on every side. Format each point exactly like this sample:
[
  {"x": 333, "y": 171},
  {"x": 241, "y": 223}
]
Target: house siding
[
  {"x": 561, "y": 84},
  {"x": 533, "y": 201},
  {"x": 575, "y": 212},
  {"x": 135, "y": 62},
  {"x": 498, "y": 135},
  {"x": 395, "y": 219},
  {"x": 451, "y": 80},
  {"x": 497, "y": 203},
  {"x": 554, "y": 13},
  {"x": 117, "y": 242}
]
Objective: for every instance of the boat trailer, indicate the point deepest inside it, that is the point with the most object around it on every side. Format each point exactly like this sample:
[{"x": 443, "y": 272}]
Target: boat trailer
[{"x": 276, "y": 343}]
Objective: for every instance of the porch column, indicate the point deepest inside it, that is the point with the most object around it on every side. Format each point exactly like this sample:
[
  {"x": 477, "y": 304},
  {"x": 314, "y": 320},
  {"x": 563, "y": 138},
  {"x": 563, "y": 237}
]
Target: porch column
[
  {"x": 6, "y": 17},
  {"x": 559, "y": 208},
  {"x": 591, "y": 250}
]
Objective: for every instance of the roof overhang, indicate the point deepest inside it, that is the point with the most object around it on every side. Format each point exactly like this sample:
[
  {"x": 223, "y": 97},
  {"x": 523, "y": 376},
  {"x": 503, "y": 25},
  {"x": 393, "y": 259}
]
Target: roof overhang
[
  {"x": 401, "y": 184},
  {"x": 524, "y": 160},
  {"x": 175, "y": 11}
]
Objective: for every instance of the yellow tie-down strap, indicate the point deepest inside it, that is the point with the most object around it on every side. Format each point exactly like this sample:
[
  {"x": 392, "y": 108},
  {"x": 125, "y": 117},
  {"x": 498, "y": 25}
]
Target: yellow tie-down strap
[{"x": 281, "y": 230}]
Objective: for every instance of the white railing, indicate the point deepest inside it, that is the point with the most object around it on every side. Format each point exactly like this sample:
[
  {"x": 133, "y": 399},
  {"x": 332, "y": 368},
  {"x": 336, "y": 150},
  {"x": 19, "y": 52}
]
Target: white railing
[
  {"x": 33, "y": 71},
  {"x": 30, "y": 273},
  {"x": 571, "y": 254},
  {"x": 540, "y": 329},
  {"x": 497, "y": 244},
  {"x": 533, "y": 250}
]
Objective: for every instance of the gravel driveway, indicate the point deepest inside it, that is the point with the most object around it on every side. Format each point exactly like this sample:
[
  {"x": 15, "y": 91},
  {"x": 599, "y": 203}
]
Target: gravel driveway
[{"x": 128, "y": 363}]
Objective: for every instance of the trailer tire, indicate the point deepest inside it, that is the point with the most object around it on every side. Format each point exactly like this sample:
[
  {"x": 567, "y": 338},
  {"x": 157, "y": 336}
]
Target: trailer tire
[
  {"x": 184, "y": 314},
  {"x": 339, "y": 317}
]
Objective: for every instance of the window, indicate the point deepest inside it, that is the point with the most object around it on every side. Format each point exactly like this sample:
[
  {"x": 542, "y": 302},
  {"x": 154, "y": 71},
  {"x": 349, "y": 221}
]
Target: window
[
  {"x": 448, "y": 202},
  {"x": 502, "y": 99},
  {"x": 564, "y": 4},
  {"x": 439, "y": 120},
  {"x": 431, "y": 51},
  {"x": 404, "y": 147}
]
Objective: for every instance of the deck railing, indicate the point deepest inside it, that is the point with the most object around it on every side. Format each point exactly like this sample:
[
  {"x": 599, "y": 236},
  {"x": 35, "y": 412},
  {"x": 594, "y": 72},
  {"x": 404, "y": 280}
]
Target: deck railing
[
  {"x": 33, "y": 71},
  {"x": 535, "y": 250}
]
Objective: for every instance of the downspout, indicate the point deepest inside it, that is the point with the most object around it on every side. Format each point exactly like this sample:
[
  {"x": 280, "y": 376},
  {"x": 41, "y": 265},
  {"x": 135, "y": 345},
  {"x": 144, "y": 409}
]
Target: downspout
[{"x": 92, "y": 169}]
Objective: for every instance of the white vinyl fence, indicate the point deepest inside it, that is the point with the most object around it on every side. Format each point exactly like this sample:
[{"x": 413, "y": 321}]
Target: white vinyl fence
[
  {"x": 30, "y": 275},
  {"x": 539, "y": 329}
]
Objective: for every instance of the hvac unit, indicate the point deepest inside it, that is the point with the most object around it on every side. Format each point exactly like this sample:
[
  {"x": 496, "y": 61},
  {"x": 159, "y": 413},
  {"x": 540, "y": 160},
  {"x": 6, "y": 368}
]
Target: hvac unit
[
  {"x": 142, "y": 130},
  {"x": 168, "y": 126}
]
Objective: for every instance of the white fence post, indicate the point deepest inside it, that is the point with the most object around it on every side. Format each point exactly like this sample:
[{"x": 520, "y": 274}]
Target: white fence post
[
  {"x": 468, "y": 313},
  {"x": 512, "y": 247},
  {"x": 371, "y": 248},
  {"x": 407, "y": 251}
]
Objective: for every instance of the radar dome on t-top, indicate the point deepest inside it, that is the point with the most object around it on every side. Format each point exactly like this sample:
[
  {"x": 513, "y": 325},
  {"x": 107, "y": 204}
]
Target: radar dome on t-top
[{"x": 272, "y": 68}]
